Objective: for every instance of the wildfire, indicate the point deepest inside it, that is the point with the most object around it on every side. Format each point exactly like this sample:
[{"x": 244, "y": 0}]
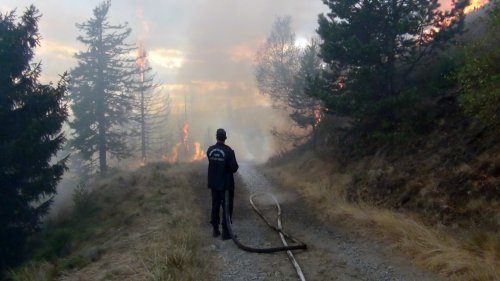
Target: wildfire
[
  {"x": 185, "y": 139},
  {"x": 136, "y": 164},
  {"x": 318, "y": 116},
  {"x": 198, "y": 154},
  {"x": 182, "y": 150},
  {"x": 174, "y": 154},
  {"x": 474, "y": 5},
  {"x": 141, "y": 60}
]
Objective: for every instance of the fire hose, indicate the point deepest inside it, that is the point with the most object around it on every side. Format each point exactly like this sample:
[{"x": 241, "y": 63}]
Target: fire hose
[{"x": 279, "y": 229}]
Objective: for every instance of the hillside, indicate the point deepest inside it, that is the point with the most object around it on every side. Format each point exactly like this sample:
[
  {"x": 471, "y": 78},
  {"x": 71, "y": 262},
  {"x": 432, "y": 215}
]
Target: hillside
[
  {"x": 436, "y": 197},
  {"x": 140, "y": 225},
  {"x": 152, "y": 223},
  {"x": 431, "y": 186}
]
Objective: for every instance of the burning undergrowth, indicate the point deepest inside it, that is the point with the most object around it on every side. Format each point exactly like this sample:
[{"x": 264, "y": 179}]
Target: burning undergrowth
[{"x": 185, "y": 150}]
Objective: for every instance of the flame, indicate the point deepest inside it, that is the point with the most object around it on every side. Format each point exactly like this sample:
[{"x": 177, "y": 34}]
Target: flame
[
  {"x": 174, "y": 154},
  {"x": 177, "y": 154},
  {"x": 199, "y": 154},
  {"x": 318, "y": 116},
  {"x": 474, "y": 5},
  {"x": 185, "y": 139},
  {"x": 141, "y": 60},
  {"x": 136, "y": 165}
]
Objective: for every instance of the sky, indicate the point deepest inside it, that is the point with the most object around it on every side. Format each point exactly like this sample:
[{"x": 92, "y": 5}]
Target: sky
[{"x": 201, "y": 51}]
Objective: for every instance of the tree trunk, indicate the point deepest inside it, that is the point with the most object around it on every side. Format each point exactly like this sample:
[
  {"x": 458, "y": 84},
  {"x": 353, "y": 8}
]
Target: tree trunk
[
  {"x": 143, "y": 127},
  {"x": 100, "y": 111},
  {"x": 103, "y": 167},
  {"x": 101, "y": 120},
  {"x": 314, "y": 136}
]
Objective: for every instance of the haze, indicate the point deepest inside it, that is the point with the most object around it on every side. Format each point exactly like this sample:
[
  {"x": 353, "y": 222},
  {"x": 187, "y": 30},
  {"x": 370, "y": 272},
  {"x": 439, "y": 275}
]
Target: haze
[{"x": 202, "y": 52}]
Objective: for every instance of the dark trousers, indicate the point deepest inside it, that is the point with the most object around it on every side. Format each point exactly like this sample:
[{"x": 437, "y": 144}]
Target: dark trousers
[{"x": 218, "y": 200}]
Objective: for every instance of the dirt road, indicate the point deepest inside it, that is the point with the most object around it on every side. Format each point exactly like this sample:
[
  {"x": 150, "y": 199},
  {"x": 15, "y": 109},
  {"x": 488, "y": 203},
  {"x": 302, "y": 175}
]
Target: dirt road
[{"x": 333, "y": 254}]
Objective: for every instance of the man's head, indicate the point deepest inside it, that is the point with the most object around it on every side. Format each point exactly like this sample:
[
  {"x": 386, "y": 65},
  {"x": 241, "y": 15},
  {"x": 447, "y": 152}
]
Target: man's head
[{"x": 221, "y": 135}]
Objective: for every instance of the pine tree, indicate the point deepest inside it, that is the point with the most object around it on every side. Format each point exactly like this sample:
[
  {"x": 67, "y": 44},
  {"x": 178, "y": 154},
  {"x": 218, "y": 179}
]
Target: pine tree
[
  {"x": 101, "y": 89},
  {"x": 372, "y": 49},
  {"x": 31, "y": 118},
  {"x": 306, "y": 108}
]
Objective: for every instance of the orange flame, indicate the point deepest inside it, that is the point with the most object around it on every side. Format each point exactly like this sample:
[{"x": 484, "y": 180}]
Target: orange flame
[
  {"x": 136, "y": 165},
  {"x": 174, "y": 154},
  {"x": 318, "y": 116},
  {"x": 185, "y": 139},
  {"x": 177, "y": 154},
  {"x": 474, "y": 5},
  {"x": 141, "y": 60},
  {"x": 199, "y": 154}
]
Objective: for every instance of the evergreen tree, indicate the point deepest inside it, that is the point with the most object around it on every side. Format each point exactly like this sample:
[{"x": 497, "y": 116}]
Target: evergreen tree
[
  {"x": 306, "y": 109},
  {"x": 372, "y": 49},
  {"x": 101, "y": 89},
  {"x": 31, "y": 118}
]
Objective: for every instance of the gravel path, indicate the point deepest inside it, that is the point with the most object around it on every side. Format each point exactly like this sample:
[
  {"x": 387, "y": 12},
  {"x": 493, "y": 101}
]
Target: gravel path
[
  {"x": 333, "y": 253},
  {"x": 237, "y": 265}
]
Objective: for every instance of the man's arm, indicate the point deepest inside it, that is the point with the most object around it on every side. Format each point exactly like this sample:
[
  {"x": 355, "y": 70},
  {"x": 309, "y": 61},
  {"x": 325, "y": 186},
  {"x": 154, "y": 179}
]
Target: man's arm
[{"x": 233, "y": 165}]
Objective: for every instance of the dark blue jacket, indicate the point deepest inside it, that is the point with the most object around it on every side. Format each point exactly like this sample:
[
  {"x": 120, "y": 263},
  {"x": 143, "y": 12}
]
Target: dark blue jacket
[{"x": 221, "y": 166}]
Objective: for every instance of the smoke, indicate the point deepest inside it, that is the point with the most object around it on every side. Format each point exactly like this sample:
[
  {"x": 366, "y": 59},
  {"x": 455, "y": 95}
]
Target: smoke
[
  {"x": 202, "y": 52},
  {"x": 220, "y": 90}
]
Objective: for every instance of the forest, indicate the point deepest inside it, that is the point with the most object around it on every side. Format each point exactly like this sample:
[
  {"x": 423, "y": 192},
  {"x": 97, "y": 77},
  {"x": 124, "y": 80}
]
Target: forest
[{"x": 384, "y": 117}]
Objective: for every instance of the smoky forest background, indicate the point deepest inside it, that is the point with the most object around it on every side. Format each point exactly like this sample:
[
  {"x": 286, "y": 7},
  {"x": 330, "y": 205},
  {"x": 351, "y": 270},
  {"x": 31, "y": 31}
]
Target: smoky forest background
[{"x": 391, "y": 77}]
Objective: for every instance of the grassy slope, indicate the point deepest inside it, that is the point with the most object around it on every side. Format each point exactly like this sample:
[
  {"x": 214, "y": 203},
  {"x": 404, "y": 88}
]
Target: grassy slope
[
  {"x": 140, "y": 225},
  {"x": 436, "y": 198},
  {"x": 457, "y": 251}
]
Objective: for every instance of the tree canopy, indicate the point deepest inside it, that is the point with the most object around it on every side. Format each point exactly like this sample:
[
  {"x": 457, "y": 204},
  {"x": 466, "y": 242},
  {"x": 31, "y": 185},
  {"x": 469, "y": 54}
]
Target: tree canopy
[{"x": 372, "y": 48}]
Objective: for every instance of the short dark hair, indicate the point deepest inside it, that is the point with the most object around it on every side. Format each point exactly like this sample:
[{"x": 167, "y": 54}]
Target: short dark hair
[{"x": 221, "y": 135}]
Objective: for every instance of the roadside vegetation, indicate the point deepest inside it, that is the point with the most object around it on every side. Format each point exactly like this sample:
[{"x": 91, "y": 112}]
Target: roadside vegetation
[
  {"x": 423, "y": 172},
  {"x": 394, "y": 113},
  {"x": 140, "y": 225},
  {"x": 457, "y": 250}
]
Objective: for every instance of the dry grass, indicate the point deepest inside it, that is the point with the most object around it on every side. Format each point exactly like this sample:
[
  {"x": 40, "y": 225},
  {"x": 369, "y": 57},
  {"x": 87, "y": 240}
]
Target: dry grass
[
  {"x": 463, "y": 256},
  {"x": 145, "y": 226},
  {"x": 33, "y": 271},
  {"x": 174, "y": 251}
]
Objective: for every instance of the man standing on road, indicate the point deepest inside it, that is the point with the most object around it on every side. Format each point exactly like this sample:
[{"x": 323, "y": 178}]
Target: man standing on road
[{"x": 221, "y": 167}]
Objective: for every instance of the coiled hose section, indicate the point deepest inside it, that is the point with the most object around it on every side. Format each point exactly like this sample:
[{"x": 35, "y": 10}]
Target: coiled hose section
[{"x": 279, "y": 228}]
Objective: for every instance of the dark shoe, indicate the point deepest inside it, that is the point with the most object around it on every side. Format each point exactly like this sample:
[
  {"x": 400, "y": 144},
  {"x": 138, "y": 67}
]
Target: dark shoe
[
  {"x": 225, "y": 235},
  {"x": 215, "y": 232}
]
